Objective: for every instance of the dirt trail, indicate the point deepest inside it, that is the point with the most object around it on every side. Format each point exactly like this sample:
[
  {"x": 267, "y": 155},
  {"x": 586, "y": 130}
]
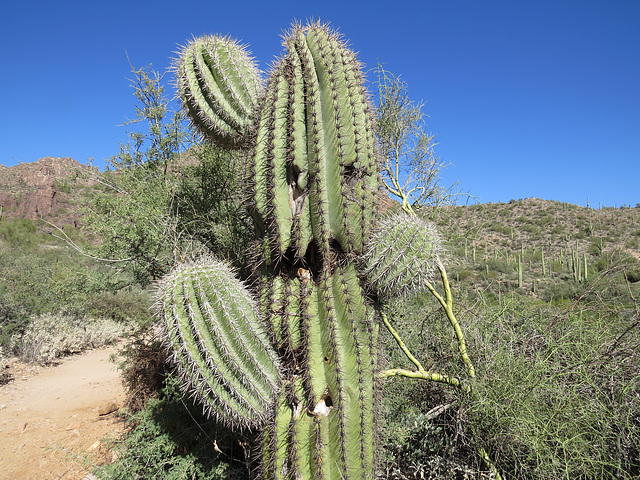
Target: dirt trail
[{"x": 51, "y": 425}]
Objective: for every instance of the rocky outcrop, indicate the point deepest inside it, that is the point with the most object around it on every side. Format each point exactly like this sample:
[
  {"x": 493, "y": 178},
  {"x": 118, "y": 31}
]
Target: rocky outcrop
[{"x": 36, "y": 190}]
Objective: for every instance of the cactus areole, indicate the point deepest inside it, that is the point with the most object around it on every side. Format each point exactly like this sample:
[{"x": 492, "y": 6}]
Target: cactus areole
[{"x": 298, "y": 363}]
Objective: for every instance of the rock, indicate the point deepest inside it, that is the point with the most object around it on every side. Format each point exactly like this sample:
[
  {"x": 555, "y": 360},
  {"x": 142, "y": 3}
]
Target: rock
[
  {"x": 94, "y": 446},
  {"x": 108, "y": 407}
]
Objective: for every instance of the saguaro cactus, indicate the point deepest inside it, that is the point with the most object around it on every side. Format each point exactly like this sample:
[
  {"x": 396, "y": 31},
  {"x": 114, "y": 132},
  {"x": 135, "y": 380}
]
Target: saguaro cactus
[{"x": 314, "y": 178}]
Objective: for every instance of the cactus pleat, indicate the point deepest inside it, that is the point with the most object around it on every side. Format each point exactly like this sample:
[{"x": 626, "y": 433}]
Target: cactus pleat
[
  {"x": 219, "y": 85},
  {"x": 220, "y": 347}
]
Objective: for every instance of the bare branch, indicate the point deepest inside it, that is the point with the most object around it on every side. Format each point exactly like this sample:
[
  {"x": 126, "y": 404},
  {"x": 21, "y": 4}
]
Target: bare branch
[{"x": 410, "y": 168}]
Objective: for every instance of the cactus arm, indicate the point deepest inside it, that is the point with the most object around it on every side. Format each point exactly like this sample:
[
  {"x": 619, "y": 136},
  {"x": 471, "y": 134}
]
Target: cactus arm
[
  {"x": 320, "y": 220},
  {"x": 208, "y": 70},
  {"x": 219, "y": 84},
  {"x": 400, "y": 259},
  {"x": 197, "y": 373},
  {"x": 241, "y": 94},
  {"x": 201, "y": 109},
  {"x": 220, "y": 348}
]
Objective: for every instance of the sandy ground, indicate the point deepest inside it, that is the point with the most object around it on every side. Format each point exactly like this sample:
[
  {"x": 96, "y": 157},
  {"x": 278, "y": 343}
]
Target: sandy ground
[{"x": 53, "y": 421}]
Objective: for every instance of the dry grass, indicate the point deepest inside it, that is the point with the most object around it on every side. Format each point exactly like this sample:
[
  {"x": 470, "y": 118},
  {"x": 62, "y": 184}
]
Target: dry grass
[{"x": 51, "y": 336}]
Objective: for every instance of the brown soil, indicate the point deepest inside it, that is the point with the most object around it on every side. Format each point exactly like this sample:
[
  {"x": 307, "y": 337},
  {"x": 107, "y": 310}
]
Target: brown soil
[{"x": 52, "y": 419}]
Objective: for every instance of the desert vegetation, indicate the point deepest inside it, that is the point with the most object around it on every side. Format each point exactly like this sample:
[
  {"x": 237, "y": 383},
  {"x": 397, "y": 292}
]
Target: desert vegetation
[{"x": 541, "y": 295}]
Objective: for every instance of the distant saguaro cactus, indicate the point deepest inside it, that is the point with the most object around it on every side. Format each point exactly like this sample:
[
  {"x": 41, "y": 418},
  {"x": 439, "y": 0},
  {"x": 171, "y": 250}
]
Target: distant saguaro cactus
[{"x": 300, "y": 363}]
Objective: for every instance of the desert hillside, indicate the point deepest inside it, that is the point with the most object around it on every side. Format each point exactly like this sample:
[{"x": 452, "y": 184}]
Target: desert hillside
[{"x": 46, "y": 189}]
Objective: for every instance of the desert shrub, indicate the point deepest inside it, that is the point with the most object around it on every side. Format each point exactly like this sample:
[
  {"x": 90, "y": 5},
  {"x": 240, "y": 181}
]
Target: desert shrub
[
  {"x": 632, "y": 244},
  {"x": 128, "y": 305},
  {"x": 632, "y": 275},
  {"x": 420, "y": 435},
  {"x": 555, "y": 395},
  {"x": 63, "y": 186},
  {"x": 13, "y": 321},
  {"x": 21, "y": 232},
  {"x": 463, "y": 275},
  {"x": 499, "y": 266},
  {"x": 560, "y": 290},
  {"x": 50, "y": 336},
  {"x": 171, "y": 440},
  {"x": 556, "y": 400},
  {"x": 420, "y": 422},
  {"x": 534, "y": 230},
  {"x": 4, "y": 376},
  {"x": 500, "y": 228},
  {"x": 143, "y": 362}
]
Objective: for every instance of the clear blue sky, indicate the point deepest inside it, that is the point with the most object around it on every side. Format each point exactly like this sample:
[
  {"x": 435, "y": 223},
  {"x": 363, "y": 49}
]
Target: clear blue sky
[{"x": 528, "y": 98}]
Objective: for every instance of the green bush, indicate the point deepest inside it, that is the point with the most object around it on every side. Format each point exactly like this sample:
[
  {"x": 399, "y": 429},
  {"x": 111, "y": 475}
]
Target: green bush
[
  {"x": 21, "y": 232},
  {"x": 632, "y": 243},
  {"x": 4, "y": 376},
  {"x": 499, "y": 266},
  {"x": 557, "y": 400},
  {"x": 560, "y": 290},
  {"x": 632, "y": 275},
  {"x": 420, "y": 436},
  {"x": 170, "y": 439},
  {"x": 128, "y": 305},
  {"x": 555, "y": 395},
  {"x": 13, "y": 321},
  {"x": 143, "y": 363}
]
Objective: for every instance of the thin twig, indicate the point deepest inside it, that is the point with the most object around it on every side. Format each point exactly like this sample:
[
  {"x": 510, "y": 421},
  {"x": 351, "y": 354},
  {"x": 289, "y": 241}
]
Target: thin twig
[{"x": 65, "y": 238}]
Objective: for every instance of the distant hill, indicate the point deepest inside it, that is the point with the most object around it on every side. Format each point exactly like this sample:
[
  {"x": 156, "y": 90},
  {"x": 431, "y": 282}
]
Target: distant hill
[
  {"x": 48, "y": 189},
  {"x": 555, "y": 244},
  {"x": 532, "y": 222}
]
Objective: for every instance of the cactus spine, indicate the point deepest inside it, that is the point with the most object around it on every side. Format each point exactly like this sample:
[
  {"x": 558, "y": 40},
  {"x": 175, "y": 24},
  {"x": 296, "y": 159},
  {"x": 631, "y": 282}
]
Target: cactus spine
[{"x": 314, "y": 180}]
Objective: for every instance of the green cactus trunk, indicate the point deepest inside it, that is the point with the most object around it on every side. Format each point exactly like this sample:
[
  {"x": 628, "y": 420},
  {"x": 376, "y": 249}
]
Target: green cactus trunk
[
  {"x": 324, "y": 417},
  {"x": 316, "y": 183}
]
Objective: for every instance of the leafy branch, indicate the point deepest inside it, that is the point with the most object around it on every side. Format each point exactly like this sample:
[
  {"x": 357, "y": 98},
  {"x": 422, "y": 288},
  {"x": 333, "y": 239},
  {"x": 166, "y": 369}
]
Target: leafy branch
[{"x": 410, "y": 169}]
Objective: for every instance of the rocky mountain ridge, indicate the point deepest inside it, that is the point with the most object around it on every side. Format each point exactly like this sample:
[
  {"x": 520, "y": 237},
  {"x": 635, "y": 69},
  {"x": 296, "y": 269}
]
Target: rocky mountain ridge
[{"x": 40, "y": 189}]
